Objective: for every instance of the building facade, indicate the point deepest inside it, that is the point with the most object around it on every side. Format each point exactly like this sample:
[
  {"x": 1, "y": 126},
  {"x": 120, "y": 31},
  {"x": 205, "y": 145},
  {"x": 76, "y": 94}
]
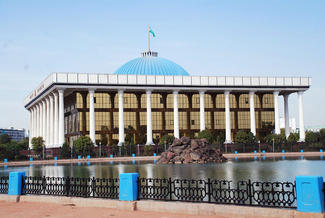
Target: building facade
[
  {"x": 14, "y": 134},
  {"x": 152, "y": 96}
]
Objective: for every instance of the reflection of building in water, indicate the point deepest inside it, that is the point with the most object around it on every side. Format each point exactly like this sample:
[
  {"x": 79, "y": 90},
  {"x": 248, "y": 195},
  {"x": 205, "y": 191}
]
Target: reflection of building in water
[
  {"x": 149, "y": 171},
  {"x": 120, "y": 168},
  {"x": 53, "y": 171}
]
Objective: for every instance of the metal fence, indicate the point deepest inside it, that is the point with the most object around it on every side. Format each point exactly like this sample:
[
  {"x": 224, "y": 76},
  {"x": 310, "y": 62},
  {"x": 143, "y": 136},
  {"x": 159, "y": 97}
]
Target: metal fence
[
  {"x": 69, "y": 186},
  {"x": 4, "y": 184},
  {"x": 267, "y": 194}
]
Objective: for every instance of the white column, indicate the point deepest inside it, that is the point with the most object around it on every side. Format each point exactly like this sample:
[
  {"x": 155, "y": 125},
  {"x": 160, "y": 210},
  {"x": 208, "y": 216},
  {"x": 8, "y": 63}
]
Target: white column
[
  {"x": 149, "y": 119},
  {"x": 301, "y": 118},
  {"x": 56, "y": 119},
  {"x": 176, "y": 119},
  {"x": 41, "y": 111},
  {"x": 51, "y": 121},
  {"x": 92, "y": 127},
  {"x": 30, "y": 127},
  {"x": 44, "y": 121},
  {"x": 61, "y": 117},
  {"x": 227, "y": 117},
  {"x": 252, "y": 111},
  {"x": 276, "y": 113},
  {"x": 48, "y": 130},
  {"x": 33, "y": 123},
  {"x": 286, "y": 115},
  {"x": 120, "y": 117},
  {"x": 202, "y": 117},
  {"x": 38, "y": 121}
]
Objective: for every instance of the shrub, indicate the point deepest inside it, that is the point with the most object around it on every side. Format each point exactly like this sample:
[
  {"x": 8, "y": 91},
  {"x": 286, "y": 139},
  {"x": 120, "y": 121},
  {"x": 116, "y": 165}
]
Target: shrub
[
  {"x": 38, "y": 144},
  {"x": 206, "y": 134},
  {"x": 83, "y": 146},
  {"x": 148, "y": 150}
]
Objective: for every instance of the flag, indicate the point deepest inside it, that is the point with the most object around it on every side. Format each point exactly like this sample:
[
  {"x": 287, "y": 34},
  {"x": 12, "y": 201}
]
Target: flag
[{"x": 150, "y": 31}]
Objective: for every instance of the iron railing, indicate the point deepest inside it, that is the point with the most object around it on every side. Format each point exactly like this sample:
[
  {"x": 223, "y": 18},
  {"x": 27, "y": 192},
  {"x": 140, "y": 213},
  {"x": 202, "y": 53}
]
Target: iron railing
[
  {"x": 4, "y": 184},
  {"x": 70, "y": 186},
  {"x": 267, "y": 194}
]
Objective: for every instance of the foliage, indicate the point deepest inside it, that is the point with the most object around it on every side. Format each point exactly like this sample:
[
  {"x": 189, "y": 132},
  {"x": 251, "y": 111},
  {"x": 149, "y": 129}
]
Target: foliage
[
  {"x": 313, "y": 139},
  {"x": 279, "y": 140},
  {"x": 207, "y": 135},
  {"x": 24, "y": 143},
  {"x": 4, "y": 138},
  {"x": 244, "y": 138},
  {"x": 322, "y": 136},
  {"x": 38, "y": 144},
  {"x": 65, "y": 151},
  {"x": 293, "y": 139},
  {"x": 148, "y": 150},
  {"x": 103, "y": 135},
  {"x": 83, "y": 146},
  {"x": 167, "y": 139},
  {"x": 11, "y": 151},
  {"x": 218, "y": 138}
]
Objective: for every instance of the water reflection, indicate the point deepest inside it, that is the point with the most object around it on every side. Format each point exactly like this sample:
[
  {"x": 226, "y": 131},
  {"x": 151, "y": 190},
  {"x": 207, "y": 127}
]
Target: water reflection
[{"x": 256, "y": 169}]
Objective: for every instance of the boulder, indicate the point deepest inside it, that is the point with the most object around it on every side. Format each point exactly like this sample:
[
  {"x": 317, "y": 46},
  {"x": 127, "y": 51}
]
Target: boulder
[{"x": 186, "y": 150}]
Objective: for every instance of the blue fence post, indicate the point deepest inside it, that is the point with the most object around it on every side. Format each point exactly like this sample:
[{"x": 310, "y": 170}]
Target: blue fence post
[
  {"x": 55, "y": 158},
  {"x": 133, "y": 155},
  {"x": 154, "y": 154},
  {"x": 88, "y": 156},
  {"x": 111, "y": 156},
  {"x": 31, "y": 159},
  {"x": 15, "y": 183},
  {"x": 236, "y": 152},
  {"x": 128, "y": 190},
  {"x": 5, "y": 160},
  {"x": 310, "y": 197},
  {"x": 283, "y": 151},
  {"x": 79, "y": 157}
]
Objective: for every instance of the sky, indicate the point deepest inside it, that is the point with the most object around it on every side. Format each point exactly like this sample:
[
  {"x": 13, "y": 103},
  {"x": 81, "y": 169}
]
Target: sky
[{"x": 222, "y": 38}]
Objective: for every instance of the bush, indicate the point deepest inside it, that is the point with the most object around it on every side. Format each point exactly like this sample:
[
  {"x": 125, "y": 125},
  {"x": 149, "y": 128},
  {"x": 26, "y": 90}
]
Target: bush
[
  {"x": 206, "y": 134},
  {"x": 83, "y": 146},
  {"x": 38, "y": 144},
  {"x": 65, "y": 151}
]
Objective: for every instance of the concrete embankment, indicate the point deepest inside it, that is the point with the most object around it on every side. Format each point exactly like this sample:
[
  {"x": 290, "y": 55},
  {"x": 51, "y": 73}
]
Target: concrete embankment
[
  {"x": 151, "y": 158},
  {"x": 180, "y": 208}
]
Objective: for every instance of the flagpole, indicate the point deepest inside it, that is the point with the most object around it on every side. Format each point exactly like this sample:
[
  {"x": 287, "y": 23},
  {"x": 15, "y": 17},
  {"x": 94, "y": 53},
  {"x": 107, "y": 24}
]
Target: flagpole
[{"x": 149, "y": 38}]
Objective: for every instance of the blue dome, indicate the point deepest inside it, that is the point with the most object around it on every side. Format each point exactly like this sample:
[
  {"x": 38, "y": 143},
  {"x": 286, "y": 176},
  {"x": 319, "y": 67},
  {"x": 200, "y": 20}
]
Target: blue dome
[{"x": 151, "y": 65}]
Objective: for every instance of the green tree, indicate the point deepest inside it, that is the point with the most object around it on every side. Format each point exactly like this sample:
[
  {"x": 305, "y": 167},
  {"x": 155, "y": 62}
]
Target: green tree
[
  {"x": 206, "y": 134},
  {"x": 293, "y": 139},
  {"x": 83, "y": 146},
  {"x": 103, "y": 135},
  {"x": 279, "y": 140},
  {"x": 313, "y": 139},
  {"x": 4, "y": 138},
  {"x": 322, "y": 136},
  {"x": 24, "y": 143},
  {"x": 245, "y": 139},
  {"x": 38, "y": 144},
  {"x": 65, "y": 151}
]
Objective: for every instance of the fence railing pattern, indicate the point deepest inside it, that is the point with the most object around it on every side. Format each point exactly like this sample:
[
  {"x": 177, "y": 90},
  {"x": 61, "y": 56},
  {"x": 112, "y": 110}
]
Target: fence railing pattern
[
  {"x": 4, "y": 184},
  {"x": 70, "y": 186},
  {"x": 268, "y": 194}
]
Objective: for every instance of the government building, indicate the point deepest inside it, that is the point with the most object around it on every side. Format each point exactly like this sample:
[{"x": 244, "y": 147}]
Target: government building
[{"x": 151, "y": 96}]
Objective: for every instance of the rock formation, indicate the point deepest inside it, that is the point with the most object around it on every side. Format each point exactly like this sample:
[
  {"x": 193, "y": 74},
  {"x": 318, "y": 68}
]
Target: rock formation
[{"x": 186, "y": 150}]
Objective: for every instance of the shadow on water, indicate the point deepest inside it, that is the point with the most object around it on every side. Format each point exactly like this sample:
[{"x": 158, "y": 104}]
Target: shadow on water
[{"x": 256, "y": 169}]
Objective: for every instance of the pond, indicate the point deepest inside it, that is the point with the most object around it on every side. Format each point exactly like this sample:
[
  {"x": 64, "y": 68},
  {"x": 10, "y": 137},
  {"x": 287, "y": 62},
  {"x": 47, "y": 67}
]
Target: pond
[{"x": 260, "y": 169}]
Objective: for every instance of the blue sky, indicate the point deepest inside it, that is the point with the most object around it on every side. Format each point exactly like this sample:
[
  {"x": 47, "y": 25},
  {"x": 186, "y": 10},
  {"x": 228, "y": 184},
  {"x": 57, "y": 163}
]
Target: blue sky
[{"x": 251, "y": 38}]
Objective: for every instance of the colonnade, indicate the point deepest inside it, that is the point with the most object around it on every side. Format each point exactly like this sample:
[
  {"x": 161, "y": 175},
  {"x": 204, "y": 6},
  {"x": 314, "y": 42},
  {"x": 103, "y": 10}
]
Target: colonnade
[{"x": 47, "y": 116}]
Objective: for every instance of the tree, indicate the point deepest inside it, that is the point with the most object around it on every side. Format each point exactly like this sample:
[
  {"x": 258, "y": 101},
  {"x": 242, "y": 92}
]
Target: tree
[
  {"x": 322, "y": 136},
  {"x": 245, "y": 139},
  {"x": 167, "y": 139},
  {"x": 312, "y": 139},
  {"x": 293, "y": 139},
  {"x": 278, "y": 139},
  {"x": 24, "y": 143},
  {"x": 38, "y": 144},
  {"x": 65, "y": 151},
  {"x": 4, "y": 138},
  {"x": 206, "y": 134},
  {"x": 83, "y": 146},
  {"x": 103, "y": 135}
]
